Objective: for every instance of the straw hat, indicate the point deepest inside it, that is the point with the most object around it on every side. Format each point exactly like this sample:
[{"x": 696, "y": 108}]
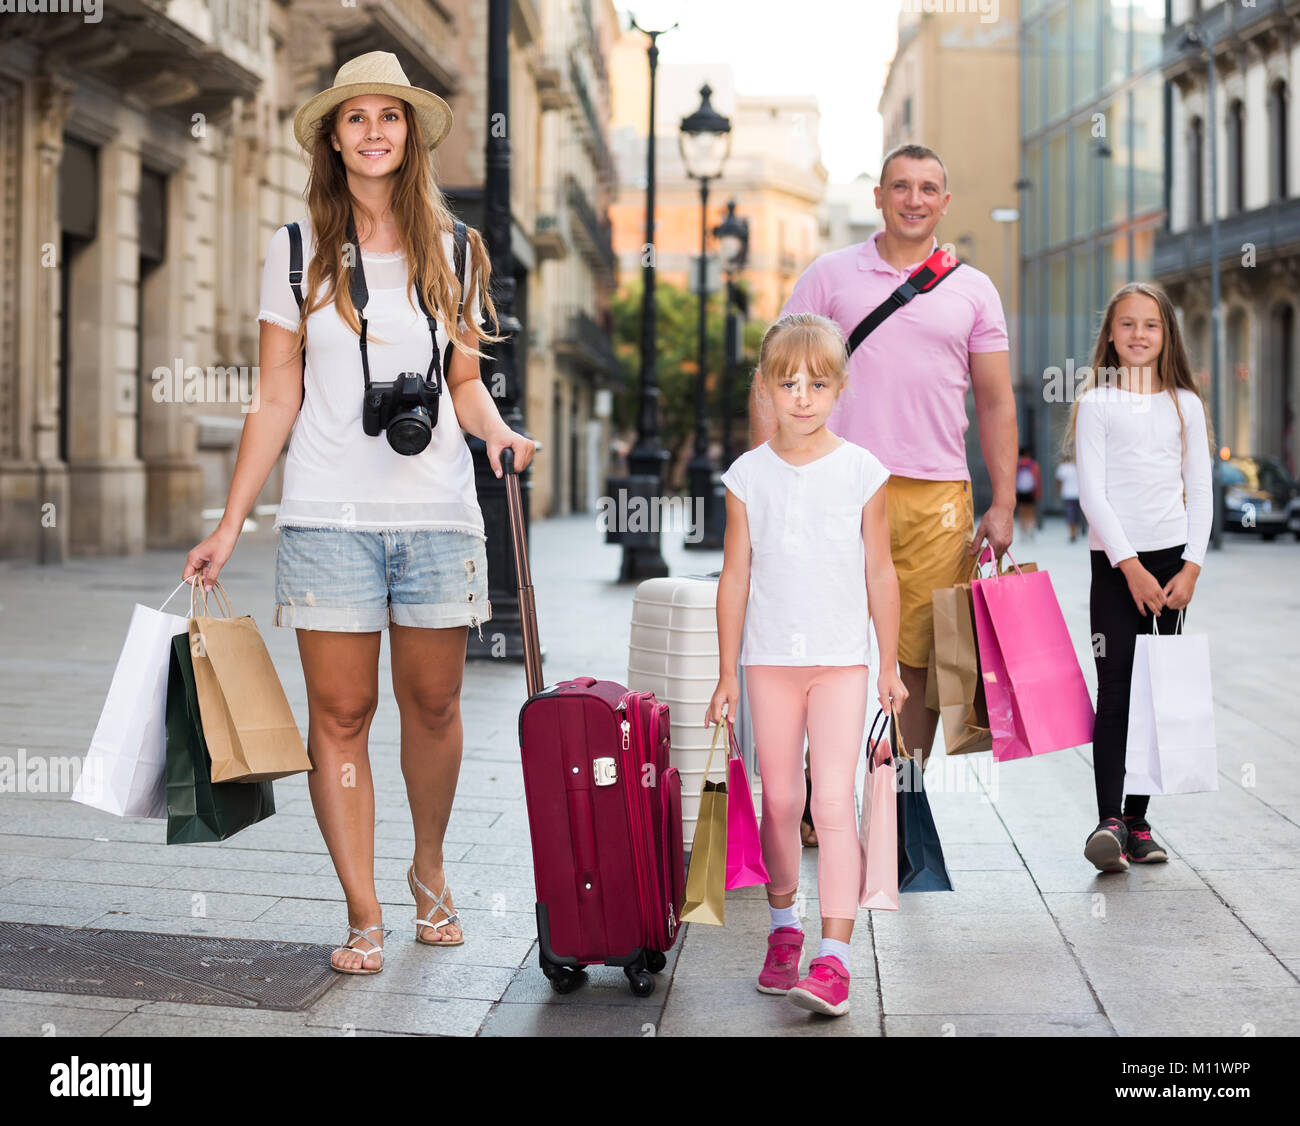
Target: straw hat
[{"x": 377, "y": 72}]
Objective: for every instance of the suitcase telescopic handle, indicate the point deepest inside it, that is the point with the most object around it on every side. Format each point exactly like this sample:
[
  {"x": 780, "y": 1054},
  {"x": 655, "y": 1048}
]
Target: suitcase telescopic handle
[{"x": 519, "y": 549}]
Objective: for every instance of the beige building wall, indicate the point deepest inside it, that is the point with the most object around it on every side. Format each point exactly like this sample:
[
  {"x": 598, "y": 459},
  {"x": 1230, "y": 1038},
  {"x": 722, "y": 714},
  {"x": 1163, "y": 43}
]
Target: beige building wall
[
  {"x": 954, "y": 85},
  {"x": 98, "y": 455}
]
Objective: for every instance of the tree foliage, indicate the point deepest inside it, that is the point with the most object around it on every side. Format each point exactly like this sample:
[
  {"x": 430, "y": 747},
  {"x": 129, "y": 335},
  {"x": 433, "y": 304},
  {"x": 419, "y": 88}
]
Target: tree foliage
[{"x": 677, "y": 351}]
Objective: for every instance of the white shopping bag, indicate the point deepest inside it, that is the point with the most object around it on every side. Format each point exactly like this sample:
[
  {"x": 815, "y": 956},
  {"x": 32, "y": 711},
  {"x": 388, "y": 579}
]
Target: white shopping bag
[
  {"x": 1171, "y": 747},
  {"x": 123, "y": 772}
]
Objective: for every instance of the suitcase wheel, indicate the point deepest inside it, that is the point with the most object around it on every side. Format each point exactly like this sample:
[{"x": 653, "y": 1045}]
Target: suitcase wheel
[
  {"x": 563, "y": 979},
  {"x": 642, "y": 981},
  {"x": 655, "y": 961}
]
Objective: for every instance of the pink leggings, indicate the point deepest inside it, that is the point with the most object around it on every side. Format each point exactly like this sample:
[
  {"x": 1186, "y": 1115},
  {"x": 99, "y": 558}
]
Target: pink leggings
[{"x": 830, "y": 704}]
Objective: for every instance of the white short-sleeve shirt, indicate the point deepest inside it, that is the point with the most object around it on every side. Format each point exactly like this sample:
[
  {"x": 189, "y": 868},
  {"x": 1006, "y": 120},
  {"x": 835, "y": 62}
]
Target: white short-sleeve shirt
[
  {"x": 335, "y": 475},
  {"x": 807, "y": 575}
]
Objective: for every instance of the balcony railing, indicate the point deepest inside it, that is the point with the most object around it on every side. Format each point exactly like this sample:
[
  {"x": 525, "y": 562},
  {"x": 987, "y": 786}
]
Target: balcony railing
[
  {"x": 586, "y": 343},
  {"x": 594, "y": 235},
  {"x": 594, "y": 135},
  {"x": 1181, "y": 252},
  {"x": 549, "y": 239}
]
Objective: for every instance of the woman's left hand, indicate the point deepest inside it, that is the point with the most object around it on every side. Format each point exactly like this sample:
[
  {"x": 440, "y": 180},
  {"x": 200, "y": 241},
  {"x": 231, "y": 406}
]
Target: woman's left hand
[
  {"x": 891, "y": 688},
  {"x": 1179, "y": 589},
  {"x": 503, "y": 438}
]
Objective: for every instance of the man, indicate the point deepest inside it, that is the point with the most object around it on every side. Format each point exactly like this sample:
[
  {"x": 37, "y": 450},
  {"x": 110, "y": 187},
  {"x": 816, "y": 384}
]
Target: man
[{"x": 906, "y": 402}]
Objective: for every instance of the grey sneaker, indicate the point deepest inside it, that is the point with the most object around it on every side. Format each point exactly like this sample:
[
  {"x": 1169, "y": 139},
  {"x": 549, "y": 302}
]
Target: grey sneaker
[{"x": 1106, "y": 845}]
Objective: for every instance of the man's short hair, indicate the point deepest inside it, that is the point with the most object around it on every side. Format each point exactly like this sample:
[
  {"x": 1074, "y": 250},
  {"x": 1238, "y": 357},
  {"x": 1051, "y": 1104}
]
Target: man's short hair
[{"x": 913, "y": 152}]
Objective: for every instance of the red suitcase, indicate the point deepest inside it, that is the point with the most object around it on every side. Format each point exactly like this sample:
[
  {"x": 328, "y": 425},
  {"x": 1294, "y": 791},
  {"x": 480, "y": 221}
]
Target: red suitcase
[{"x": 604, "y": 811}]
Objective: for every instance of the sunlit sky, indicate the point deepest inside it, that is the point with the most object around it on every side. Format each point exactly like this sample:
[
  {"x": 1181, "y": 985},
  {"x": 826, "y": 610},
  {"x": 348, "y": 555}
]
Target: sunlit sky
[{"x": 836, "y": 50}]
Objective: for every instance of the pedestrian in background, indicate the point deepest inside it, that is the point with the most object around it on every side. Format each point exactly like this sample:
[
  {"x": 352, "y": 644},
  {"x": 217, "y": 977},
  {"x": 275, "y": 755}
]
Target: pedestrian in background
[
  {"x": 1142, "y": 444},
  {"x": 1067, "y": 484},
  {"x": 373, "y": 536},
  {"x": 1029, "y": 489},
  {"x": 806, "y": 558}
]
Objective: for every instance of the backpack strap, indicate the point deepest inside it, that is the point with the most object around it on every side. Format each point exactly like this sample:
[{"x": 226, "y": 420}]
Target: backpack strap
[
  {"x": 295, "y": 261},
  {"x": 923, "y": 279},
  {"x": 460, "y": 237}
]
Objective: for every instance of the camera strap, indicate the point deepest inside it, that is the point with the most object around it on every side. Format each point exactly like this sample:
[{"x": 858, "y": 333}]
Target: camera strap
[{"x": 360, "y": 293}]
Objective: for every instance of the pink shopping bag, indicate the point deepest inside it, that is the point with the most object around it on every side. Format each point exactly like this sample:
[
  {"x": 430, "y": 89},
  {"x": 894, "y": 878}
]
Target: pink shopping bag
[
  {"x": 745, "y": 866},
  {"x": 1037, "y": 698},
  {"x": 878, "y": 827}
]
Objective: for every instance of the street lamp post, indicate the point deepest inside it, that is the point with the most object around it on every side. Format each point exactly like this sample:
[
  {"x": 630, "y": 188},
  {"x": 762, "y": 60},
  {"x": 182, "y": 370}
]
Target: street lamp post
[
  {"x": 1195, "y": 36},
  {"x": 705, "y": 141},
  {"x": 642, "y": 557},
  {"x": 506, "y": 637},
  {"x": 733, "y": 246}
]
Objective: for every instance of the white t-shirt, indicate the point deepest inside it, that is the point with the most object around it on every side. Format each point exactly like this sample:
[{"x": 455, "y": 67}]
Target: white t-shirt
[
  {"x": 807, "y": 573},
  {"x": 1134, "y": 468},
  {"x": 335, "y": 475},
  {"x": 1068, "y": 474}
]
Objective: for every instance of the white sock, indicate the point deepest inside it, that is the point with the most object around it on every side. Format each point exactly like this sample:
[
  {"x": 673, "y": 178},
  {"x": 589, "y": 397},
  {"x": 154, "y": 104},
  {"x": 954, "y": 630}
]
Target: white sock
[
  {"x": 783, "y": 917},
  {"x": 835, "y": 949}
]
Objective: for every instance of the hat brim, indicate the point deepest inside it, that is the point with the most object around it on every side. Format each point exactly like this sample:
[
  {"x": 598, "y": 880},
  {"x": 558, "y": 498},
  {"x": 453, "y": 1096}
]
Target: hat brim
[{"x": 434, "y": 113}]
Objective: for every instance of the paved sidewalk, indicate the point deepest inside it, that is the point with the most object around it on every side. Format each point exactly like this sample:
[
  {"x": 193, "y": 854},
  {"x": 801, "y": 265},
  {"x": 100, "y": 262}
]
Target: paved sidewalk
[{"x": 1032, "y": 941}]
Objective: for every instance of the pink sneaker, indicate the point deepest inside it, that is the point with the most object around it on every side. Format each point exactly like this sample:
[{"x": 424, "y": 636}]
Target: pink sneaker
[
  {"x": 781, "y": 967},
  {"x": 825, "y": 989}
]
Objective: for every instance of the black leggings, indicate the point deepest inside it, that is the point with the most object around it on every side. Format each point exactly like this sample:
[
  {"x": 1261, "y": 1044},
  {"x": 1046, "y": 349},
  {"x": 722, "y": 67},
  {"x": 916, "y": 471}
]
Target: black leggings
[{"x": 1116, "y": 623}]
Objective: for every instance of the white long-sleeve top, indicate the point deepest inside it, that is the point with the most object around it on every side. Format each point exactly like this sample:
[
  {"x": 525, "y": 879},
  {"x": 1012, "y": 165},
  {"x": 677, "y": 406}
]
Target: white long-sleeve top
[{"x": 1135, "y": 470}]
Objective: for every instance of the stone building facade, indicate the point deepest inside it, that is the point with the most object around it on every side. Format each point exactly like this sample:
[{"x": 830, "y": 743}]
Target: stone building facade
[
  {"x": 1257, "y": 198},
  {"x": 146, "y": 159}
]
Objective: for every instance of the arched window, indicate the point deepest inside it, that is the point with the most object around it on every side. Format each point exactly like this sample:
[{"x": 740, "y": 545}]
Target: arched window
[
  {"x": 1196, "y": 173},
  {"x": 1236, "y": 156},
  {"x": 1277, "y": 147}
]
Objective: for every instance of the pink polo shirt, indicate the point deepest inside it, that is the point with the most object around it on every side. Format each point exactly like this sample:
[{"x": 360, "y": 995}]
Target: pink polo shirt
[{"x": 906, "y": 396}]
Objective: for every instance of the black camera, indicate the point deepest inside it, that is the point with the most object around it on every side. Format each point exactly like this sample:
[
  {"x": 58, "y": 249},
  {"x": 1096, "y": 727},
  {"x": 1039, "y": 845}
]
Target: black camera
[{"x": 407, "y": 408}]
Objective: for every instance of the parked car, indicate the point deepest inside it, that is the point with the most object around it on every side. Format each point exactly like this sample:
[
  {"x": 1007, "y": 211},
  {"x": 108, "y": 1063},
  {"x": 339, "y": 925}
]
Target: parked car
[{"x": 1259, "y": 497}]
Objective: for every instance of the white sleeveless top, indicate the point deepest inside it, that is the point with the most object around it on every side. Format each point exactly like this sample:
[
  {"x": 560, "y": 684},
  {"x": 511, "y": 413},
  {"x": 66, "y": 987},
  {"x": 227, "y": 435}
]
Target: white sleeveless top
[{"x": 335, "y": 475}]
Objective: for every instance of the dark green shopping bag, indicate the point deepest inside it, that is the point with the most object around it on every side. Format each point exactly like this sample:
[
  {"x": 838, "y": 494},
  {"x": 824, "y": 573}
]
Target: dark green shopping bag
[{"x": 199, "y": 809}]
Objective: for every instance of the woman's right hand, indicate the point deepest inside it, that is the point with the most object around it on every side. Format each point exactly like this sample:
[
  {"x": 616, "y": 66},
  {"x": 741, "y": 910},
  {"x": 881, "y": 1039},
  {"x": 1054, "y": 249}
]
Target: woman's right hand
[
  {"x": 207, "y": 559},
  {"x": 1147, "y": 592},
  {"x": 727, "y": 693}
]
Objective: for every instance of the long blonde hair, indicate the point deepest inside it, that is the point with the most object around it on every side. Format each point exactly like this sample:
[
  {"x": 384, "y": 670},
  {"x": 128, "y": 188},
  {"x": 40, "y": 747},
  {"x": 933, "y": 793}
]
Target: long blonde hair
[
  {"x": 422, "y": 217},
  {"x": 1173, "y": 369}
]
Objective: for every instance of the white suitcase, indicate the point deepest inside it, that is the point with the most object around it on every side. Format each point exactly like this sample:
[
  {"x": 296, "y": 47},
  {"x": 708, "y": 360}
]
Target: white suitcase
[{"x": 673, "y": 652}]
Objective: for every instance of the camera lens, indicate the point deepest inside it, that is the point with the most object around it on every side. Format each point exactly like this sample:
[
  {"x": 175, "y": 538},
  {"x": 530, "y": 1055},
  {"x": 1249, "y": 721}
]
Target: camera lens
[{"x": 410, "y": 431}]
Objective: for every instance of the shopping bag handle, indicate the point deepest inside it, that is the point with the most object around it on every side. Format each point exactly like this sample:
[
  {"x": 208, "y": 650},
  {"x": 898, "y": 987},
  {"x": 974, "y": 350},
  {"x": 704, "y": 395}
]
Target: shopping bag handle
[
  {"x": 222, "y": 599},
  {"x": 871, "y": 738},
  {"x": 731, "y": 746},
  {"x": 174, "y": 593}
]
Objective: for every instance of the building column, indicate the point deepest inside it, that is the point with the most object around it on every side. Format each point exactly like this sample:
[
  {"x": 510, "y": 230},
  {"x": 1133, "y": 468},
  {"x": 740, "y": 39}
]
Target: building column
[
  {"x": 33, "y": 480},
  {"x": 106, "y": 478}
]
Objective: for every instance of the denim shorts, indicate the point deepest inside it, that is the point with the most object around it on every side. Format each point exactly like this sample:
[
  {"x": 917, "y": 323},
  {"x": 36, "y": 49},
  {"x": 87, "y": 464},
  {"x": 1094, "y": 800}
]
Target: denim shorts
[{"x": 352, "y": 581}]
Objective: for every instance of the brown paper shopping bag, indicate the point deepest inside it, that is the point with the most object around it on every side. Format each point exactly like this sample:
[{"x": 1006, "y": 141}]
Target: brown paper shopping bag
[
  {"x": 706, "y": 893},
  {"x": 955, "y": 673},
  {"x": 247, "y": 723}
]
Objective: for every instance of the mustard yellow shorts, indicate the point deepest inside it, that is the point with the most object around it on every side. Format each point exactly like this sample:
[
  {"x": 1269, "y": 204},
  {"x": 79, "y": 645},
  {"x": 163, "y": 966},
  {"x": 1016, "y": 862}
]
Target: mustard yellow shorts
[{"x": 931, "y": 524}]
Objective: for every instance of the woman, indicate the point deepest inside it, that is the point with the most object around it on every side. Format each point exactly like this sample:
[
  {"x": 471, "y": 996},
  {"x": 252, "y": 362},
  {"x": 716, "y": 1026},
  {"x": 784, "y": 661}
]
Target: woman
[{"x": 379, "y": 522}]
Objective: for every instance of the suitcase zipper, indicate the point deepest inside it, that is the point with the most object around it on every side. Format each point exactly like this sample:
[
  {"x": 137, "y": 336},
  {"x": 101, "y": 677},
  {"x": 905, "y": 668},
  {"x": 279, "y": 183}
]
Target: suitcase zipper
[{"x": 639, "y": 814}]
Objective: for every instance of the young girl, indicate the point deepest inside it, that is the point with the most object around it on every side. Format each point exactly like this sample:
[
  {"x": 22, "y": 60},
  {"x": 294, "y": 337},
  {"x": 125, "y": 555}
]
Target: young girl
[
  {"x": 1029, "y": 487},
  {"x": 806, "y": 543},
  {"x": 1142, "y": 446},
  {"x": 377, "y": 531}
]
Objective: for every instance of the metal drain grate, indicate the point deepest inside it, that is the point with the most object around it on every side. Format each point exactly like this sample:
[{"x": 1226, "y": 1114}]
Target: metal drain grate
[{"x": 240, "y": 972}]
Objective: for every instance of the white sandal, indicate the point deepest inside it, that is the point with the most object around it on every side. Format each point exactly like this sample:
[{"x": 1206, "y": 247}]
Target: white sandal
[
  {"x": 413, "y": 881},
  {"x": 375, "y": 948}
]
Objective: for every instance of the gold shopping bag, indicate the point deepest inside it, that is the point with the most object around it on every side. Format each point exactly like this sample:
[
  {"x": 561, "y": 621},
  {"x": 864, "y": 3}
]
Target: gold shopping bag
[{"x": 706, "y": 880}]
